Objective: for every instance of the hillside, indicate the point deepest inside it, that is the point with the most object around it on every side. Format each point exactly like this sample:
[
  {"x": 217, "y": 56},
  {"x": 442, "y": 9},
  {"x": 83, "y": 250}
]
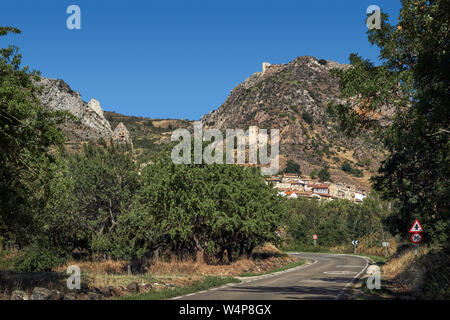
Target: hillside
[
  {"x": 148, "y": 134},
  {"x": 293, "y": 98}
]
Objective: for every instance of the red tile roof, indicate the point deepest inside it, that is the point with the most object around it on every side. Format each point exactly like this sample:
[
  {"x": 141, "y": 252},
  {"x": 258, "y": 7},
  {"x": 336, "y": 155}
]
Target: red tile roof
[{"x": 321, "y": 186}]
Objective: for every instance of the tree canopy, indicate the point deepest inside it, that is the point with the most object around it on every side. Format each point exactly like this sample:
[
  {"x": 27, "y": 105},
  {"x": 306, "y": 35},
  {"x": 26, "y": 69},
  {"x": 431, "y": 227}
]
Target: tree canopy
[
  {"x": 29, "y": 139},
  {"x": 413, "y": 81}
]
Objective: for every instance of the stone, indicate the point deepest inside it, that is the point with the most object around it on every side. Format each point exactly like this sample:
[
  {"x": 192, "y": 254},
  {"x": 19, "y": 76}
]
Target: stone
[
  {"x": 56, "y": 295},
  {"x": 116, "y": 292},
  {"x": 70, "y": 296},
  {"x": 107, "y": 292},
  {"x": 40, "y": 294},
  {"x": 145, "y": 287},
  {"x": 134, "y": 287},
  {"x": 94, "y": 296},
  {"x": 18, "y": 295},
  {"x": 373, "y": 269}
]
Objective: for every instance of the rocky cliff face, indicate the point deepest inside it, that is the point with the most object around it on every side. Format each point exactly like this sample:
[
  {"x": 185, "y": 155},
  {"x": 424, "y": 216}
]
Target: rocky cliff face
[
  {"x": 293, "y": 98},
  {"x": 91, "y": 124}
]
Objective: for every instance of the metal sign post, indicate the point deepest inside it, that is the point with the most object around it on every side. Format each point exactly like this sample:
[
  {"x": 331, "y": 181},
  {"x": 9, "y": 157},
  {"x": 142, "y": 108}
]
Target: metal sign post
[
  {"x": 386, "y": 246},
  {"x": 416, "y": 249},
  {"x": 315, "y": 239},
  {"x": 355, "y": 244},
  {"x": 416, "y": 236}
]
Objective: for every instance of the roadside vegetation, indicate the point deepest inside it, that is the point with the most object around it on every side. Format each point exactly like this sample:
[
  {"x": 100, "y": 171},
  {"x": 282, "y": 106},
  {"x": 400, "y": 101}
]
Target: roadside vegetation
[
  {"x": 337, "y": 223},
  {"x": 208, "y": 283}
]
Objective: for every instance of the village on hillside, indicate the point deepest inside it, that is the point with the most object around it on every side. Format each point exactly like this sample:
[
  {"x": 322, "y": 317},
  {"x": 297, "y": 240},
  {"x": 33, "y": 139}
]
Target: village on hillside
[{"x": 292, "y": 186}]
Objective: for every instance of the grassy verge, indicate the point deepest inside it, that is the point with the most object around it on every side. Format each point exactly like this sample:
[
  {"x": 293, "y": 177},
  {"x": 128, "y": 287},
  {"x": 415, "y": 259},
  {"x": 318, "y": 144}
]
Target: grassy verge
[
  {"x": 285, "y": 267},
  {"x": 361, "y": 292},
  {"x": 207, "y": 283},
  {"x": 306, "y": 248},
  {"x": 378, "y": 260}
]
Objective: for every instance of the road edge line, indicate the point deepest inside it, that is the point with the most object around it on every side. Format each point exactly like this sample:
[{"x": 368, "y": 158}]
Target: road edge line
[{"x": 250, "y": 279}]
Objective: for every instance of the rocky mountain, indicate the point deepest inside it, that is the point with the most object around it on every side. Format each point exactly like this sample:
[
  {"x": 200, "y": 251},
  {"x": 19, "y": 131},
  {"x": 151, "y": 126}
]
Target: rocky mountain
[
  {"x": 90, "y": 124},
  {"x": 293, "y": 98}
]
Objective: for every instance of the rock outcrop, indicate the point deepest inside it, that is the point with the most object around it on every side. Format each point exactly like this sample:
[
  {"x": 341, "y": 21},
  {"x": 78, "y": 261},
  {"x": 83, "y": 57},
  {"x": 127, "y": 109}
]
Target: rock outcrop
[
  {"x": 121, "y": 134},
  {"x": 57, "y": 95}
]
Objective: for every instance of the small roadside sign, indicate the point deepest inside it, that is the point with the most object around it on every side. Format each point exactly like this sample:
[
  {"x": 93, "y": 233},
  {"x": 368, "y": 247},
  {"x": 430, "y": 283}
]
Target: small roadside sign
[
  {"x": 416, "y": 238},
  {"x": 315, "y": 237},
  {"x": 416, "y": 227},
  {"x": 386, "y": 246},
  {"x": 354, "y": 243}
]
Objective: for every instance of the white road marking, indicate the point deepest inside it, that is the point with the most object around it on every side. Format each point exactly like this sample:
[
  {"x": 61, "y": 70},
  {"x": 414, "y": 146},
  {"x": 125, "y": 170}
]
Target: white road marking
[
  {"x": 250, "y": 279},
  {"x": 339, "y": 272},
  {"x": 354, "y": 278},
  {"x": 349, "y": 266}
]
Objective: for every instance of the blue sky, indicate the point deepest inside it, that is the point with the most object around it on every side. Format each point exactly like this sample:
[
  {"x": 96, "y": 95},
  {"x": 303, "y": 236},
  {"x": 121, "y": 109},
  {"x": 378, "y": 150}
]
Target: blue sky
[{"x": 180, "y": 59}]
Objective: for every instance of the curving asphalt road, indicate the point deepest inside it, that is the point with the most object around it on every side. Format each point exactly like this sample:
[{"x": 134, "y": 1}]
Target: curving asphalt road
[{"x": 325, "y": 276}]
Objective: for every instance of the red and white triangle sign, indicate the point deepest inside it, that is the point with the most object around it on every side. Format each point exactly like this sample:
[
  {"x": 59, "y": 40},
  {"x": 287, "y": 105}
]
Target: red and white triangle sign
[{"x": 416, "y": 227}]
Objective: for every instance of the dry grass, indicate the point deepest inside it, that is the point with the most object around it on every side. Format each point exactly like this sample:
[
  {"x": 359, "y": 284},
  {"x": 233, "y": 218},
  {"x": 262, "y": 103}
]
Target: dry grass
[
  {"x": 368, "y": 246},
  {"x": 176, "y": 271},
  {"x": 107, "y": 266},
  {"x": 264, "y": 258},
  {"x": 402, "y": 274}
]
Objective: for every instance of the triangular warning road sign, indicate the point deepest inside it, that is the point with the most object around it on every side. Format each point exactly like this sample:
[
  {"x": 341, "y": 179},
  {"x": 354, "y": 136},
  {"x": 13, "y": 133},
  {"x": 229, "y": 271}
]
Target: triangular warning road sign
[{"x": 416, "y": 227}]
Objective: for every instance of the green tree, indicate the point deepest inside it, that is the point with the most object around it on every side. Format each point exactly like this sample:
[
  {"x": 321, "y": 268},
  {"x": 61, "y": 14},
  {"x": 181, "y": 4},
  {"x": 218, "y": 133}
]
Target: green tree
[
  {"x": 292, "y": 167},
  {"x": 30, "y": 138},
  {"x": 313, "y": 173},
  {"x": 413, "y": 80},
  {"x": 105, "y": 179},
  {"x": 307, "y": 117},
  {"x": 336, "y": 222},
  {"x": 210, "y": 209},
  {"x": 347, "y": 167},
  {"x": 324, "y": 174}
]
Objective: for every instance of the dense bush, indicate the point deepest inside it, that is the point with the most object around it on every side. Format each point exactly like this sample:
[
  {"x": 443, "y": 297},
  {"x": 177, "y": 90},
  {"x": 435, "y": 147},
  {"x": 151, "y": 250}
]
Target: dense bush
[
  {"x": 347, "y": 167},
  {"x": 103, "y": 204},
  {"x": 292, "y": 167},
  {"x": 324, "y": 174},
  {"x": 200, "y": 209},
  {"x": 38, "y": 259},
  {"x": 307, "y": 117}
]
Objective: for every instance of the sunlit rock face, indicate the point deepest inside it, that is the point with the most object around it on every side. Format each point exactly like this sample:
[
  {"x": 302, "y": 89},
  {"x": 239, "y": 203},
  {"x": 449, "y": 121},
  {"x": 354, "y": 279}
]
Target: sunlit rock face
[{"x": 90, "y": 124}]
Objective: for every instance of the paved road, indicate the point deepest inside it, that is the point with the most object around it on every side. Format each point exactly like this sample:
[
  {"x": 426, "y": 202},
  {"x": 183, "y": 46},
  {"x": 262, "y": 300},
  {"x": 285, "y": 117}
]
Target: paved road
[{"x": 326, "y": 276}]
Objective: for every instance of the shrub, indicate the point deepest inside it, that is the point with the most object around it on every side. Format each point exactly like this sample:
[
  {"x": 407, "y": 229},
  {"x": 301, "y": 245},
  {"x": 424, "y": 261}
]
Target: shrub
[
  {"x": 313, "y": 174},
  {"x": 37, "y": 259},
  {"x": 307, "y": 117},
  {"x": 324, "y": 174},
  {"x": 347, "y": 167}
]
